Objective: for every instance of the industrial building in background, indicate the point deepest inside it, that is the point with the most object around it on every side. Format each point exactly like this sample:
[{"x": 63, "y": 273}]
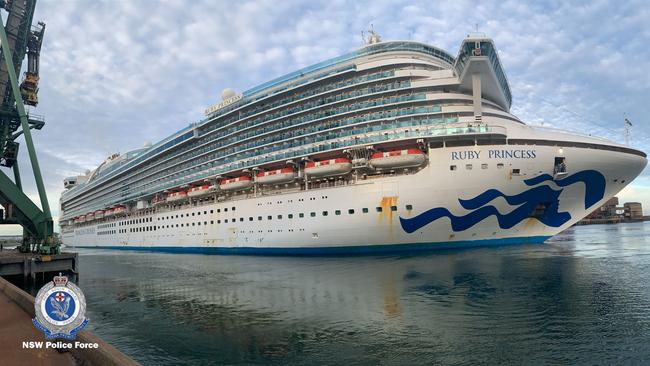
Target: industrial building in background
[
  {"x": 18, "y": 38},
  {"x": 612, "y": 213}
]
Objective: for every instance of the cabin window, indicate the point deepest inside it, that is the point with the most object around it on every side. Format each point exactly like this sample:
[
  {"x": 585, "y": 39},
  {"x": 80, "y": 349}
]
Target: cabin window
[
  {"x": 452, "y": 167},
  {"x": 484, "y": 166},
  {"x": 218, "y": 221},
  {"x": 351, "y": 211},
  {"x": 241, "y": 219},
  {"x": 393, "y": 208},
  {"x": 279, "y": 217},
  {"x": 259, "y": 218},
  {"x": 468, "y": 166},
  {"x": 337, "y": 212},
  {"x": 250, "y": 218},
  {"x": 379, "y": 209},
  {"x": 516, "y": 171},
  {"x": 324, "y": 213},
  {"x": 269, "y": 217},
  {"x": 365, "y": 210},
  {"x": 225, "y": 209},
  {"x": 312, "y": 214},
  {"x": 409, "y": 207},
  {"x": 500, "y": 166},
  {"x": 290, "y": 216}
]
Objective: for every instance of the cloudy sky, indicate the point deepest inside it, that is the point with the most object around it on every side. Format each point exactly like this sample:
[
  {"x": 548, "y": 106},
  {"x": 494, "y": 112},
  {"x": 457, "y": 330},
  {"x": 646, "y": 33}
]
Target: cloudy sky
[{"x": 115, "y": 74}]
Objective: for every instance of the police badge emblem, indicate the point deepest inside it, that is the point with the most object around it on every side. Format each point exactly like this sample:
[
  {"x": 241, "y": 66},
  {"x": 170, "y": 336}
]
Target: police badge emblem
[{"x": 60, "y": 309}]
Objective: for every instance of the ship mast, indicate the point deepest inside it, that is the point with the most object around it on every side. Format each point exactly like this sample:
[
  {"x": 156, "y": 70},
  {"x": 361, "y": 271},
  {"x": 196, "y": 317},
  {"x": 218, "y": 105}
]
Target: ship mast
[{"x": 628, "y": 124}]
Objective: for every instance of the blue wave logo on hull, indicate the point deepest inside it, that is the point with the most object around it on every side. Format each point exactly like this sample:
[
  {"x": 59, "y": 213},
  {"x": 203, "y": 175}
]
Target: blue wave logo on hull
[{"x": 540, "y": 202}]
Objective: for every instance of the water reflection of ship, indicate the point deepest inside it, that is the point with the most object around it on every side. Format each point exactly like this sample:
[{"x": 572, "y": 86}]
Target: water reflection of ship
[{"x": 273, "y": 307}]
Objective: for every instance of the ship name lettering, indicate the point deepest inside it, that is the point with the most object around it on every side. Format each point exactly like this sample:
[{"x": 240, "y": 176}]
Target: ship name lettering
[
  {"x": 465, "y": 155},
  {"x": 512, "y": 154}
]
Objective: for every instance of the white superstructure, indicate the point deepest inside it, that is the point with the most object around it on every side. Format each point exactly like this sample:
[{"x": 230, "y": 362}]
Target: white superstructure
[{"x": 397, "y": 145}]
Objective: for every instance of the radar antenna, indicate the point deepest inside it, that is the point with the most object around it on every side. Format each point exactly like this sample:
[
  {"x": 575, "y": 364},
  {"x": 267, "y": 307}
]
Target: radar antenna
[{"x": 373, "y": 37}]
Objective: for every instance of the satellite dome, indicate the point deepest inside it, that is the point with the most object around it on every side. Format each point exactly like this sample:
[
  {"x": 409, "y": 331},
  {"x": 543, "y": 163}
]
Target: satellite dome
[
  {"x": 227, "y": 93},
  {"x": 147, "y": 144}
]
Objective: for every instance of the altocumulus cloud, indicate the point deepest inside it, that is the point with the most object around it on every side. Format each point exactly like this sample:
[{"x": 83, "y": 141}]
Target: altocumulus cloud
[{"x": 115, "y": 74}]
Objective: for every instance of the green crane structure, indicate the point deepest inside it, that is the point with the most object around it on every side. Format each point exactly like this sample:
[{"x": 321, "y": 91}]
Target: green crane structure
[{"x": 17, "y": 38}]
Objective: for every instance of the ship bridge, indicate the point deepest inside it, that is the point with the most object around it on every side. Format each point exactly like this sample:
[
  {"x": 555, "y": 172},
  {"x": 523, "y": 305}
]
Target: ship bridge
[{"x": 480, "y": 72}]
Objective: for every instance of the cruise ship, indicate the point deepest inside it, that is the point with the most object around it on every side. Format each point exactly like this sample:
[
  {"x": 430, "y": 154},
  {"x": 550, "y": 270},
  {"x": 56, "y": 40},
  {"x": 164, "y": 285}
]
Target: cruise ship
[{"x": 395, "y": 146}]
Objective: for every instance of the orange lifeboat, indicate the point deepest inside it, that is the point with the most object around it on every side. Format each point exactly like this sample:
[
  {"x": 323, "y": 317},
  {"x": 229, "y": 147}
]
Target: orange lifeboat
[
  {"x": 201, "y": 190},
  {"x": 327, "y": 168},
  {"x": 284, "y": 175},
  {"x": 119, "y": 210},
  {"x": 407, "y": 158},
  {"x": 236, "y": 184},
  {"x": 176, "y": 196},
  {"x": 99, "y": 214}
]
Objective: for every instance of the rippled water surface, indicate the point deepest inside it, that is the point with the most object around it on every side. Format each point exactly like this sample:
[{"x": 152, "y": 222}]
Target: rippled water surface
[{"x": 581, "y": 298}]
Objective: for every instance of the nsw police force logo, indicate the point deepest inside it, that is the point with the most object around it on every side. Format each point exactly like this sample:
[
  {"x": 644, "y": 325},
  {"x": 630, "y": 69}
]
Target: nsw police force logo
[{"x": 60, "y": 307}]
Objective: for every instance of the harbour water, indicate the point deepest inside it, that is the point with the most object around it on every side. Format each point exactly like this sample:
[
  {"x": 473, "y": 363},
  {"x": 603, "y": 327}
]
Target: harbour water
[{"x": 581, "y": 298}]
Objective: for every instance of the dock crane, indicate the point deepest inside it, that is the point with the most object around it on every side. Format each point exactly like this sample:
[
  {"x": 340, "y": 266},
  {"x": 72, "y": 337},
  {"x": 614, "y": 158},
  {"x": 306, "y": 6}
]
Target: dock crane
[
  {"x": 29, "y": 86},
  {"x": 17, "y": 38}
]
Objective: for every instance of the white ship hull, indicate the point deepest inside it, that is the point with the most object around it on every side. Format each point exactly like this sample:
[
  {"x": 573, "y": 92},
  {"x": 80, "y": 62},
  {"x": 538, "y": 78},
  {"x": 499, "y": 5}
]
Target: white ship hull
[{"x": 419, "y": 220}]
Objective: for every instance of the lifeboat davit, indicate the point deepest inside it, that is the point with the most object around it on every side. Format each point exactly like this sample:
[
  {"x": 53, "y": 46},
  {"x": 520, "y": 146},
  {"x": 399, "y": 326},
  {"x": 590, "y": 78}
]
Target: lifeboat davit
[
  {"x": 284, "y": 175},
  {"x": 99, "y": 214},
  {"x": 327, "y": 168},
  {"x": 158, "y": 200},
  {"x": 176, "y": 196},
  {"x": 407, "y": 158},
  {"x": 119, "y": 210},
  {"x": 234, "y": 184},
  {"x": 201, "y": 190}
]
